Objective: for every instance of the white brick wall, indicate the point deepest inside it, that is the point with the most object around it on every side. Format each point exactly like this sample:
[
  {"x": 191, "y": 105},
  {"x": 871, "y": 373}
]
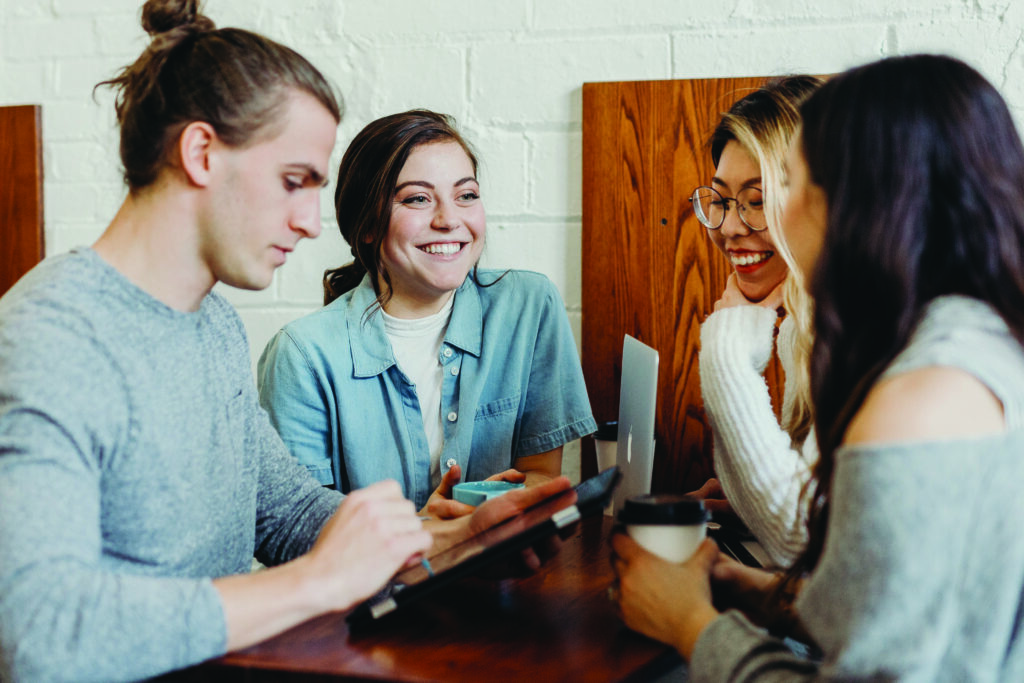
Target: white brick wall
[{"x": 511, "y": 71}]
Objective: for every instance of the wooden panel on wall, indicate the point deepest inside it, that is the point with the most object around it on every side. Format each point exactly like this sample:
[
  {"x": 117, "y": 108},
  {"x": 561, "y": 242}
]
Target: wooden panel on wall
[
  {"x": 21, "y": 192},
  {"x": 649, "y": 269}
]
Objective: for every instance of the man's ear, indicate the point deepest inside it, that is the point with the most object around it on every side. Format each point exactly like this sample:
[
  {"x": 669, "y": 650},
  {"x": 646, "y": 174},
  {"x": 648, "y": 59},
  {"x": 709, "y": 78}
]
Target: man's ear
[{"x": 194, "y": 148}]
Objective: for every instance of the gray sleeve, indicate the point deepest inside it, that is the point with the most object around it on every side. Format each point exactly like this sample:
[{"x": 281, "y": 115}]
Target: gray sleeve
[
  {"x": 918, "y": 580},
  {"x": 732, "y": 649},
  {"x": 292, "y": 506},
  {"x": 63, "y": 614}
]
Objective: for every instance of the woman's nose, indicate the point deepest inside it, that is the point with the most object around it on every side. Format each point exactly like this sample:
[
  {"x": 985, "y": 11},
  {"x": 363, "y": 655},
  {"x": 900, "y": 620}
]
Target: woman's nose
[
  {"x": 733, "y": 226},
  {"x": 444, "y": 218}
]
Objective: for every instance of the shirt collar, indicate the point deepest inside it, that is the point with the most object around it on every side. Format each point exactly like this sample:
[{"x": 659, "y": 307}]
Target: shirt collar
[{"x": 371, "y": 349}]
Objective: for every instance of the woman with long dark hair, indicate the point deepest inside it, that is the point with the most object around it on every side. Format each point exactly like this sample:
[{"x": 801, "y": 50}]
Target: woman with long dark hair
[
  {"x": 906, "y": 212},
  {"x": 422, "y": 367}
]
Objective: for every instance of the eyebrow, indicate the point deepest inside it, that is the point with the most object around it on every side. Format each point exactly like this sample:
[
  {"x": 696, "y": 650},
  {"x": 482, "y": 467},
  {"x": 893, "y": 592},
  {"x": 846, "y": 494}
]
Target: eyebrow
[
  {"x": 750, "y": 182},
  {"x": 430, "y": 186}
]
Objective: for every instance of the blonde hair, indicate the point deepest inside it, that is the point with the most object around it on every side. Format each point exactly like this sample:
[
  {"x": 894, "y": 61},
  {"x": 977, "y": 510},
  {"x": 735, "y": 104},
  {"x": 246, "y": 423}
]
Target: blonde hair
[{"x": 764, "y": 123}]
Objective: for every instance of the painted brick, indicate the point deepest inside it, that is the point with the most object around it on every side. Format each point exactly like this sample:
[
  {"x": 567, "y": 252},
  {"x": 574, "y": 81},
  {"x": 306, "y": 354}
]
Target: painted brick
[
  {"x": 91, "y": 8},
  {"x": 262, "y": 324},
  {"x": 511, "y": 74},
  {"x": 78, "y": 161},
  {"x": 27, "y": 82},
  {"x": 61, "y": 237},
  {"x": 72, "y": 203},
  {"x": 774, "y": 51},
  {"x": 782, "y": 11},
  {"x": 401, "y": 78},
  {"x": 438, "y": 18},
  {"x": 515, "y": 245},
  {"x": 247, "y": 298},
  {"x": 301, "y": 278},
  {"x": 50, "y": 38},
  {"x": 961, "y": 39},
  {"x": 653, "y": 15},
  {"x": 502, "y": 170},
  {"x": 539, "y": 82},
  {"x": 555, "y": 175},
  {"x": 79, "y": 120}
]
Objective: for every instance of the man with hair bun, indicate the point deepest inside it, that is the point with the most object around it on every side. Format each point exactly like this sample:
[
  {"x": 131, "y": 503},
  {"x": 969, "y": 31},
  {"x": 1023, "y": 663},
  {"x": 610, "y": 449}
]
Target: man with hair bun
[{"x": 138, "y": 474}]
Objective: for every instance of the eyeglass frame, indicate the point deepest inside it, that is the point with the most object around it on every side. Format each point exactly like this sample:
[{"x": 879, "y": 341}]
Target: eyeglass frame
[{"x": 725, "y": 202}]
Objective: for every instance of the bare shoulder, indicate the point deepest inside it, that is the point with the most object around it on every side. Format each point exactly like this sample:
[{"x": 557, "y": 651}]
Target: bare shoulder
[{"x": 927, "y": 404}]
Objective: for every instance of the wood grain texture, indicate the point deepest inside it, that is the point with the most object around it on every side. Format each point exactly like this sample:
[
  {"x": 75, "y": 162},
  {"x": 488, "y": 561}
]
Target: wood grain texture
[
  {"x": 21, "y": 192},
  {"x": 649, "y": 269},
  {"x": 554, "y": 626}
]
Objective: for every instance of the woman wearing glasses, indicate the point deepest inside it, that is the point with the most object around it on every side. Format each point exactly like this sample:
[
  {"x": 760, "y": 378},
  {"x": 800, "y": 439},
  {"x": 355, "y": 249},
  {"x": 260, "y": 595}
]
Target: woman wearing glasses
[
  {"x": 905, "y": 214},
  {"x": 761, "y": 466}
]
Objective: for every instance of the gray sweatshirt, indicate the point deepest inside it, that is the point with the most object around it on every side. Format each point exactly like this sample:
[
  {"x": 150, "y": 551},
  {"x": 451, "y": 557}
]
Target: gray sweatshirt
[
  {"x": 135, "y": 465},
  {"x": 922, "y": 575}
]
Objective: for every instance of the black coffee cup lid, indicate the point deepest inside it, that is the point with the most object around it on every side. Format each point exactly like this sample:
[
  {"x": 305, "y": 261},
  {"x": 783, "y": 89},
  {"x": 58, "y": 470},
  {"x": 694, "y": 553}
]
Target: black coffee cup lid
[
  {"x": 663, "y": 508},
  {"x": 607, "y": 431}
]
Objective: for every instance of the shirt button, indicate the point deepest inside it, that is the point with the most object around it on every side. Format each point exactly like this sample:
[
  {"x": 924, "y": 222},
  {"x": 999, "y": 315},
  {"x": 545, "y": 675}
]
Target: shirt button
[
  {"x": 454, "y": 370},
  {"x": 453, "y": 416},
  {"x": 447, "y": 352},
  {"x": 450, "y": 463}
]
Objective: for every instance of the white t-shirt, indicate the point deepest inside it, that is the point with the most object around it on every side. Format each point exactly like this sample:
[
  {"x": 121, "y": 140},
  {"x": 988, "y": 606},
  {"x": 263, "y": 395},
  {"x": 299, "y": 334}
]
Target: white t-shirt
[{"x": 417, "y": 347}]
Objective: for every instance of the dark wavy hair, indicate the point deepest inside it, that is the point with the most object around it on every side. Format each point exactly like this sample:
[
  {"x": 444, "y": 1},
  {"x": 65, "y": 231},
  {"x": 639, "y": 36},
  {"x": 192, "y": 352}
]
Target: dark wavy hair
[
  {"x": 367, "y": 177},
  {"x": 923, "y": 174},
  {"x": 235, "y": 80}
]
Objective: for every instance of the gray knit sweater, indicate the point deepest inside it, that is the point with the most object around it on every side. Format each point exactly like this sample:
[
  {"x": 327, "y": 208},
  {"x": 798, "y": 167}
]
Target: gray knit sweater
[
  {"x": 922, "y": 576},
  {"x": 135, "y": 464}
]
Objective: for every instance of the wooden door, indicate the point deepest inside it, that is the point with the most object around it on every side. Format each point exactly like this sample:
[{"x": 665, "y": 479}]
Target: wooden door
[
  {"x": 649, "y": 269},
  {"x": 21, "y": 192}
]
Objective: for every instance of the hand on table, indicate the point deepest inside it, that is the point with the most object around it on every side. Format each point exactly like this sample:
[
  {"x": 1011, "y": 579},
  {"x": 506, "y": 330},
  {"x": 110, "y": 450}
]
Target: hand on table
[
  {"x": 441, "y": 505},
  {"x": 663, "y": 600}
]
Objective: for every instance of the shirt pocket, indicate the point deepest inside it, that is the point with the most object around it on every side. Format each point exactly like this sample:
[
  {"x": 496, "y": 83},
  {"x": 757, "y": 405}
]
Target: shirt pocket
[{"x": 494, "y": 432}]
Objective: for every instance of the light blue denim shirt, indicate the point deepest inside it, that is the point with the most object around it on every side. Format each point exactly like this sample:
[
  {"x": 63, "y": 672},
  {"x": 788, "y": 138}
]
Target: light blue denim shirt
[{"x": 512, "y": 387}]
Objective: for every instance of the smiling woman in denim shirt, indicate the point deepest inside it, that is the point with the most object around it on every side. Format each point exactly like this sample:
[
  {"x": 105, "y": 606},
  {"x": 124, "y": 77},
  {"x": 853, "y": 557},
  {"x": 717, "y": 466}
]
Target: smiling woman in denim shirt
[{"x": 422, "y": 367}]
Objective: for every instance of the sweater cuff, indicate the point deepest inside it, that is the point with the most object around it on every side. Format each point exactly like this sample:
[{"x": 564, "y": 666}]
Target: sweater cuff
[
  {"x": 739, "y": 334},
  {"x": 731, "y": 648}
]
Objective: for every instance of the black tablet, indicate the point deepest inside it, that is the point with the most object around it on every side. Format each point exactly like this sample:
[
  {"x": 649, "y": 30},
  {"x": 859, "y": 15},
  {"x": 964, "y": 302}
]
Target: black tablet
[{"x": 500, "y": 541}]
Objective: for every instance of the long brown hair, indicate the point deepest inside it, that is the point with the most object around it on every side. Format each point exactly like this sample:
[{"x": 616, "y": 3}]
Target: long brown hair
[
  {"x": 235, "y": 80},
  {"x": 922, "y": 170},
  {"x": 367, "y": 177}
]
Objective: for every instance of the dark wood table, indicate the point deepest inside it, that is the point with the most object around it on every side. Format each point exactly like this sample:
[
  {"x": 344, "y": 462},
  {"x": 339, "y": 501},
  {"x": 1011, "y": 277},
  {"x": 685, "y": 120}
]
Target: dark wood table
[{"x": 556, "y": 625}]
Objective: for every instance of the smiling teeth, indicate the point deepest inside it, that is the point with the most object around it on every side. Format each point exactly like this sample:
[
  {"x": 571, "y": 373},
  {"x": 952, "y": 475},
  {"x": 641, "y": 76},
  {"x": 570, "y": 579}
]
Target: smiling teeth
[
  {"x": 749, "y": 259},
  {"x": 447, "y": 248}
]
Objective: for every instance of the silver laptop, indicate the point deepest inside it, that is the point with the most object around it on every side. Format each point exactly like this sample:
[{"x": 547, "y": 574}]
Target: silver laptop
[{"x": 638, "y": 395}]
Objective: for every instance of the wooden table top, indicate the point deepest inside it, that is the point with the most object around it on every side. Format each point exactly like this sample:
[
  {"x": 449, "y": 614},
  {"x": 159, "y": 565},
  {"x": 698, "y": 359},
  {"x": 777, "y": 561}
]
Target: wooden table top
[{"x": 557, "y": 625}]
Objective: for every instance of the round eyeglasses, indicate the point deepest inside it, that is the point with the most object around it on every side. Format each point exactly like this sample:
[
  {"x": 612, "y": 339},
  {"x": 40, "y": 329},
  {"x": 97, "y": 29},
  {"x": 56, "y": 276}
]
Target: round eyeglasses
[{"x": 711, "y": 207}]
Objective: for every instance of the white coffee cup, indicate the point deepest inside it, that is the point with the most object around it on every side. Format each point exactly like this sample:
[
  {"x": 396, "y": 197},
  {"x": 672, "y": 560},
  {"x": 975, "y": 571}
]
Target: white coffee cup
[{"x": 671, "y": 526}]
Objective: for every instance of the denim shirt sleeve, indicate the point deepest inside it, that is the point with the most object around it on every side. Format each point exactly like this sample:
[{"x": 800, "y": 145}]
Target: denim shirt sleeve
[
  {"x": 298, "y": 408},
  {"x": 524, "y": 381},
  {"x": 556, "y": 408}
]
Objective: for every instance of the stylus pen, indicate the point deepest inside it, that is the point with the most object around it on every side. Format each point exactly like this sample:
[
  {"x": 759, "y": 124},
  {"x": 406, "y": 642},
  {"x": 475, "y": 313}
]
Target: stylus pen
[{"x": 426, "y": 565}]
